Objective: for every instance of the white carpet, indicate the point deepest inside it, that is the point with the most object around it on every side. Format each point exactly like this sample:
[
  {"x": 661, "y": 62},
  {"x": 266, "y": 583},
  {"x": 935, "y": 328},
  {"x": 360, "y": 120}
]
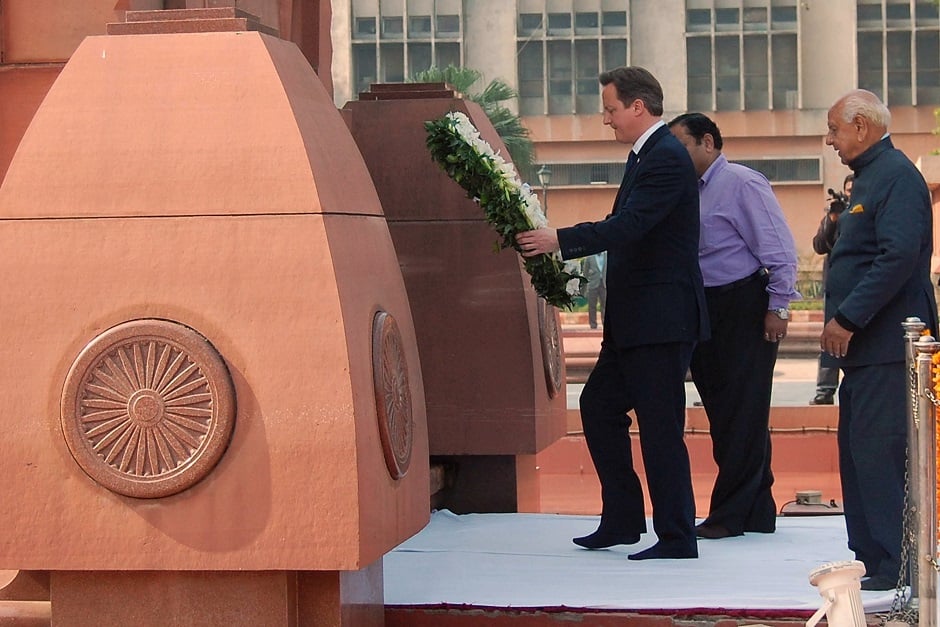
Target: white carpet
[{"x": 528, "y": 561}]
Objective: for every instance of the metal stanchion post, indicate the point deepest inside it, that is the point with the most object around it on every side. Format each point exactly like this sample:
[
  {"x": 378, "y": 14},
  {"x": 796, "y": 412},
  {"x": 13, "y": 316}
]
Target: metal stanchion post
[
  {"x": 913, "y": 327},
  {"x": 926, "y": 550}
]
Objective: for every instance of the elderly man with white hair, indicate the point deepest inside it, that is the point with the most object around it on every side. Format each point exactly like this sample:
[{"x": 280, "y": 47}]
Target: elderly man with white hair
[{"x": 878, "y": 275}]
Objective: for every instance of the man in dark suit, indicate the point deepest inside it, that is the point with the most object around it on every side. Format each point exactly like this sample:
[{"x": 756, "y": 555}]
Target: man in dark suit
[
  {"x": 655, "y": 314},
  {"x": 879, "y": 274}
]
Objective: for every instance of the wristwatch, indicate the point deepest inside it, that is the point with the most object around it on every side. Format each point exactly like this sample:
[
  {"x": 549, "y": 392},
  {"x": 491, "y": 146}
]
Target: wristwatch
[{"x": 781, "y": 312}]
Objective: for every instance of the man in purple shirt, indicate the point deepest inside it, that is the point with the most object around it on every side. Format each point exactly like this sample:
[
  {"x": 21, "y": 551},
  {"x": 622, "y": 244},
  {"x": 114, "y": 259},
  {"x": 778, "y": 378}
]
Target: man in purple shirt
[{"x": 748, "y": 259}]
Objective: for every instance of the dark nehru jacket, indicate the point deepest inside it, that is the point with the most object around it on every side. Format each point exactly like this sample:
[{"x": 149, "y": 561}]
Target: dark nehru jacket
[{"x": 879, "y": 268}]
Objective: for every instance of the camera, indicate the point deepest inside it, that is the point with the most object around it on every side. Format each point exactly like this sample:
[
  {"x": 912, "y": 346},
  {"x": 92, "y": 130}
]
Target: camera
[{"x": 837, "y": 202}]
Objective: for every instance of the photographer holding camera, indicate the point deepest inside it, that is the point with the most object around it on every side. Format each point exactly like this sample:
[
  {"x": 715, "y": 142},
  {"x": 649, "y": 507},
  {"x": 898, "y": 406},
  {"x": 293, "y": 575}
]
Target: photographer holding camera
[{"x": 827, "y": 376}]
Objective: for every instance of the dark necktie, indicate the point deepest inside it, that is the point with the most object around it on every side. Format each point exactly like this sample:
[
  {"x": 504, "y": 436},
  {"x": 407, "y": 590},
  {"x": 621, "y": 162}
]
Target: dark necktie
[{"x": 631, "y": 160}]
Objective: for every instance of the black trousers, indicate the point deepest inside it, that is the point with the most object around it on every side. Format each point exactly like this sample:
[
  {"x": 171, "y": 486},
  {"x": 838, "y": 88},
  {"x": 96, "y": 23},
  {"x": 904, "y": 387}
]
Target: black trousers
[
  {"x": 733, "y": 372},
  {"x": 650, "y": 381},
  {"x": 827, "y": 378},
  {"x": 872, "y": 462}
]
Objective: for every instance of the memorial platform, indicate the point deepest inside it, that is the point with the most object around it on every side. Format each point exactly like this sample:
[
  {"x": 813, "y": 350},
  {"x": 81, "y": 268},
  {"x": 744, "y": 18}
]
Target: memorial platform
[{"x": 523, "y": 570}]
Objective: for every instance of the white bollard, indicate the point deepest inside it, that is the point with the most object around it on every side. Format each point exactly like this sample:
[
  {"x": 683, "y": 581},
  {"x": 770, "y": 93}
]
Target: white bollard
[{"x": 840, "y": 585}]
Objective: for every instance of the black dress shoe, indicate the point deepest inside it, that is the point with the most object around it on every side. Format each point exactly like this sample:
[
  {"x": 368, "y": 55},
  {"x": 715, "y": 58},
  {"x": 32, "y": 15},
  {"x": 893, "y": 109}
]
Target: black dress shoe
[
  {"x": 823, "y": 398},
  {"x": 714, "y": 532},
  {"x": 879, "y": 582},
  {"x": 666, "y": 551},
  {"x": 604, "y": 540}
]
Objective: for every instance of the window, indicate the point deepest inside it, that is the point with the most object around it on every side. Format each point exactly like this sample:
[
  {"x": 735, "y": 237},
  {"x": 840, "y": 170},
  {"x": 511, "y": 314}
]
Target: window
[
  {"x": 364, "y": 67},
  {"x": 559, "y": 78},
  {"x": 419, "y": 58},
  {"x": 899, "y": 51},
  {"x": 614, "y": 22},
  {"x": 785, "y": 80},
  {"x": 755, "y": 19},
  {"x": 558, "y": 66},
  {"x": 756, "y": 73},
  {"x": 585, "y": 23},
  {"x": 727, "y": 73},
  {"x": 869, "y": 14},
  {"x": 788, "y": 170},
  {"x": 586, "y": 72},
  {"x": 365, "y": 26},
  {"x": 699, "y": 55},
  {"x": 559, "y": 23},
  {"x": 408, "y": 42},
  {"x": 928, "y": 67},
  {"x": 392, "y": 66},
  {"x": 898, "y": 55},
  {"x": 727, "y": 19},
  {"x": 870, "y": 61},
  {"x": 529, "y": 24},
  {"x": 926, "y": 14},
  {"x": 742, "y": 58},
  {"x": 392, "y": 27},
  {"x": 698, "y": 20},
  {"x": 419, "y": 26},
  {"x": 448, "y": 25},
  {"x": 614, "y": 53},
  {"x": 531, "y": 79}
]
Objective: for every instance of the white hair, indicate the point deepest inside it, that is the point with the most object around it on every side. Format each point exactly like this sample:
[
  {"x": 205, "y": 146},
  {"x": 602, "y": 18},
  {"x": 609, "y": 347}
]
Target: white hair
[{"x": 867, "y": 105}]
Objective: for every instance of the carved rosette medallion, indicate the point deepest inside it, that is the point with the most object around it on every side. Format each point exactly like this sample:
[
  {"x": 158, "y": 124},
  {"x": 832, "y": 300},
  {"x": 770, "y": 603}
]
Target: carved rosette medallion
[
  {"x": 392, "y": 394},
  {"x": 148, "y": 408},
  {"x": 551, "y": 346}
]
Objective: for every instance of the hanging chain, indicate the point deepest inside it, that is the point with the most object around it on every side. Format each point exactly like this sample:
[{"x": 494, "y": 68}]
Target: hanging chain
[{"x": 902, "y": 610}]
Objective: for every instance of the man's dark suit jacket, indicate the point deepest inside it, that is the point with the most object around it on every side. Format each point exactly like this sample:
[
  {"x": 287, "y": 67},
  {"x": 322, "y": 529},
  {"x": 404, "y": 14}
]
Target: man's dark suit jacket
[
  {"x": 655, "y": 293},
  {"x": 879, "y": 268}
]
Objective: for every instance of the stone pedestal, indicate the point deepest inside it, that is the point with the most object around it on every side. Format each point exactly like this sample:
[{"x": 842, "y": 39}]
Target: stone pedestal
[
  {"x": 490, "y": 348},
  {"x": 212, "y": 378}
]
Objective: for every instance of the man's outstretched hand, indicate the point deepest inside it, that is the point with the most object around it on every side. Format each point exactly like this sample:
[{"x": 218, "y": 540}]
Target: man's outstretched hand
[{"x": 537, "y": 242}]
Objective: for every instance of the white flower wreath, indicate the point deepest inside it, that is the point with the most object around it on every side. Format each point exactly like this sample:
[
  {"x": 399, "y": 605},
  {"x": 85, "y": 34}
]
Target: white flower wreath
[{"x": 508, "y": 204}]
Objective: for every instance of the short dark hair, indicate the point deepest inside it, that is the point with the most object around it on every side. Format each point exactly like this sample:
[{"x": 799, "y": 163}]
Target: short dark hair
[
  {"x": 635, "y": 83},
  {"x": 697, "y": 125}
]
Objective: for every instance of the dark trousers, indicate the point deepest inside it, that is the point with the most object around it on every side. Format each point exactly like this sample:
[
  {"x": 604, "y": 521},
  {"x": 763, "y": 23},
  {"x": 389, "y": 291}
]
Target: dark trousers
[
  {"x": 650, "y": 381},
  {"x": 827, "y": 373},
  {"x": 596, "y": 299},
  {"x": 872, "y": 460},
  {"x": 827, "y": 378},
  {"x": 733, "y": 372}
]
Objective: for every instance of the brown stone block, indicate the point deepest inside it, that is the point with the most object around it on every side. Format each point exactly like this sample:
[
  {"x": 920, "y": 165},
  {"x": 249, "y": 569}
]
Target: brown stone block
[
  {"x": 22, "y": 89},
  {"x": 43, "y": 31},
  {"x": 24, "y": 585},
  {"x": 169, "y": 125},
  {"x": 298, "y": 599},
  {"x": 234, "y": 24},
  {"x": 482, "y": 333},
  {"x": 213, "y": 13},
  {"x": 205, "y": 181}
]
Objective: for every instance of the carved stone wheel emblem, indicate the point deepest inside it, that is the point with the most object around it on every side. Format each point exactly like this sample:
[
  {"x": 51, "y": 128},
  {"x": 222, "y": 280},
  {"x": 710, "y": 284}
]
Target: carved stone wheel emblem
[
  {"x": 551, "y": 346},
  {"x": 392, "y": 394},
  {"x": 148, "y": 408}
]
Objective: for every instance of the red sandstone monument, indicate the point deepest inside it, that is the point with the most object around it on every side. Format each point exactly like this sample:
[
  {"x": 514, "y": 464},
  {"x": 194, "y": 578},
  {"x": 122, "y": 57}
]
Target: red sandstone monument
[
  {"x": 491, "y": 352},
  {"x": 213, "y": 397}
]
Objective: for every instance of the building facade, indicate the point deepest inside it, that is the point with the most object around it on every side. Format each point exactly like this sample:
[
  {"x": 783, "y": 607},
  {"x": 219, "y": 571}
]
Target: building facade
[{"x": 766, "y": 70}]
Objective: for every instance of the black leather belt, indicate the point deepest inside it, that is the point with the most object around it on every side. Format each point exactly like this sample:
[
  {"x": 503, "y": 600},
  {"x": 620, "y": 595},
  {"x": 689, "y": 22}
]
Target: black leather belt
[{"x": 727, "y": 287}]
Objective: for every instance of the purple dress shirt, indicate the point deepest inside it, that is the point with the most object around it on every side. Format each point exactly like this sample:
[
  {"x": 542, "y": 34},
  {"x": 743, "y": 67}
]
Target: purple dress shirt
[{"x": 743, "y": 230}]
